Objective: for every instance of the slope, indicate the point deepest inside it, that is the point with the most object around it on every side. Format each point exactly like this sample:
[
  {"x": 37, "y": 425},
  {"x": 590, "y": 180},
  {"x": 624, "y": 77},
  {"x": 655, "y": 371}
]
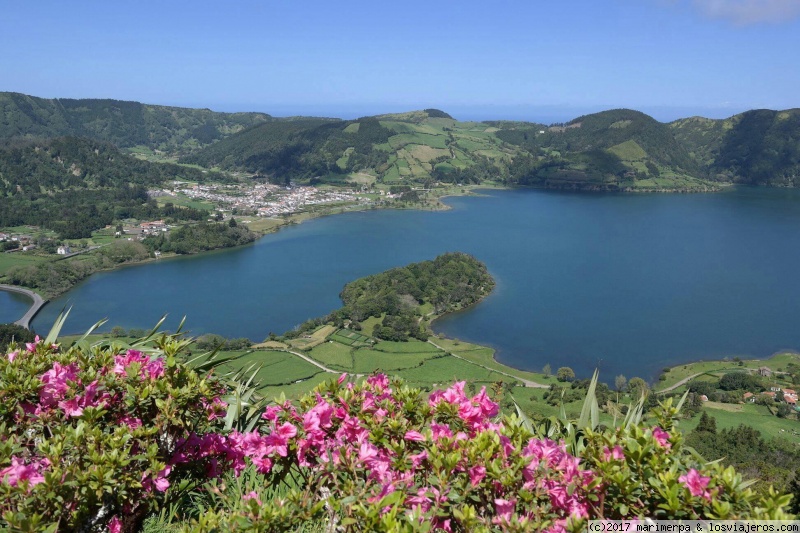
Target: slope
[
  {"x": 125, "y": 124},
  {"x": 611, "y": 150},
  {"x": 74, "y": 186}
]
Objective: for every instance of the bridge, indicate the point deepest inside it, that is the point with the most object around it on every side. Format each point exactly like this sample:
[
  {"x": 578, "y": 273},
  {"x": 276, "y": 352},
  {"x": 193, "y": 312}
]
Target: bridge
[{"x": 38, "y": 303}]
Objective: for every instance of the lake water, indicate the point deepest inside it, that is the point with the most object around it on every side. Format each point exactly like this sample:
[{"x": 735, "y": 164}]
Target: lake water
[
  {"x": 627, "y": 283},
  {"x": 12, "y": 306}
]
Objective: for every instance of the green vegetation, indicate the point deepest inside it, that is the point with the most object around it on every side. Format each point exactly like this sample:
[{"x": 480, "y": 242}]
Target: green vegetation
[
  {"x": 75, "y": 186},
  {"x": 449, "y": 282},
  {"x": 51, "y": 278},
  {"x": 12, "y": 332},
  {"x": 618, "y": 149},
  {"x": 758, "y": 147},
  {"x": 125, "y": 124},
  {"x": 190, "y": 239}
]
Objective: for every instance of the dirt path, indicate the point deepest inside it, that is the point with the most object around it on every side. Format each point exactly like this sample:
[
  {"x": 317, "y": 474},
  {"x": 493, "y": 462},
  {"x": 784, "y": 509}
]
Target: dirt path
[
  {"x": 681, "y": 382},
  {"x": 315, "y": 363},
  {"x": 526, "y": 382}
]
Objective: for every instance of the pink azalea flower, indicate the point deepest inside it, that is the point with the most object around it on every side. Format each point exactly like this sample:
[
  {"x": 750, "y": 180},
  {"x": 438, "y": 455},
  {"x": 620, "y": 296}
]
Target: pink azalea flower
[
  {"x": 696, "y": 483},
  {"x": 131, "y": 422},
  {"x": 13, "y": 355},
  {"x": 476, "y": 474},
  {"x": 18, "y": 472},
  {"x": 31, "y": 346},
  {"x": 115, "y": 525},
  {"x": 55, "y": 383},
  {"x": 341, "y": 379},
  {"x": 489, "y": 408},
  {"x": 662, "y": 437},
  {"x": 72, "y": 407},
  {"x": 617, "y": 453},
  {"x": 271, "y": 413},
  {"x": 252, "y": 495},
  {"x": 503, "y": 509},
  {"x": 418, "y": 458},
  {"x": 414, "y": 436}
]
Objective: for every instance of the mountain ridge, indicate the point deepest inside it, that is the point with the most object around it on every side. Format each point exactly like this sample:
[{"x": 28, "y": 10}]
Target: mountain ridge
[{"x": 619, "y": 149}]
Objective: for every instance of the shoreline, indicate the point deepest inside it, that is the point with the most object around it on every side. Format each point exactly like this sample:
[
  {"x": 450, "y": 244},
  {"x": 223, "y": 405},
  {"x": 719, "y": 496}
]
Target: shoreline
[
  {"x": 435, "y": 203},
  {"x": 37, "y": 302}
]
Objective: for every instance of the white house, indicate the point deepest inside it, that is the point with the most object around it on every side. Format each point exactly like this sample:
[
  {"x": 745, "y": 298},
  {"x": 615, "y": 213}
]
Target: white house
[{"x": 63, "y": 250}]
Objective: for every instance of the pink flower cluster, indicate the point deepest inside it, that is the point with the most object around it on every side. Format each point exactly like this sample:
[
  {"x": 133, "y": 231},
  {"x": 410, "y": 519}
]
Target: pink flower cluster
[
  {"x": 56, "y": 386},
  {"x": 148, "y": 368},
  {"x": 336, "y": 432},
  {"x": 696, "y": 484},
  {"x": 19, "y": 472}
]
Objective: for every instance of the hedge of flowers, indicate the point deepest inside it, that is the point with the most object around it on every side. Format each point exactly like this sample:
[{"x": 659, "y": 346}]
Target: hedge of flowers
[{"x": 95, "y": 439}]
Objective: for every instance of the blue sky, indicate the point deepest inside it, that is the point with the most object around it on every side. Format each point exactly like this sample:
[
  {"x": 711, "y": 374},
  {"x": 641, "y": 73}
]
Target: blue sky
[{"x": 534, "y": 60}]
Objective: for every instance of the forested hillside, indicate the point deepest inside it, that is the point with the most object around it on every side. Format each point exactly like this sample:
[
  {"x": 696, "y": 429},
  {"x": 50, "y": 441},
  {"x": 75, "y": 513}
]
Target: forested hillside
[
  {"x": 300, "y": 149},
  {"x": 74, "y": 186},
  {"x": 759, "y": 147},
  {"x": 125, "y": 124},
  {"x": 619, "y": 149}
]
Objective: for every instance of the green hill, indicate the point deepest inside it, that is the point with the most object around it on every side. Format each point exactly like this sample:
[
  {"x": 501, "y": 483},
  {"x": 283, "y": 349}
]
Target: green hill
[
  {"x": 617, "y": 149},
  {"x": 759, "y": 147},
  {"x": 74, "y": 186},
  {"x": 125, "y": 124},
  {"x": 612, "y": 150},
  {"x": 402, "y": 147}
]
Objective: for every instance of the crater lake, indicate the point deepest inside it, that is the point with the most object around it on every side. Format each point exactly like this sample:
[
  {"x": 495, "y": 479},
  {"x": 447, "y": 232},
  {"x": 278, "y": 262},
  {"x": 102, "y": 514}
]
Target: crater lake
[{"x": 623, "y": 282}]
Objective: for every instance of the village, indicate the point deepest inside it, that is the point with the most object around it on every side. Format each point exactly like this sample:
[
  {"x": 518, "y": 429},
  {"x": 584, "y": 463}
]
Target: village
[{"x": 265, "y": 200}]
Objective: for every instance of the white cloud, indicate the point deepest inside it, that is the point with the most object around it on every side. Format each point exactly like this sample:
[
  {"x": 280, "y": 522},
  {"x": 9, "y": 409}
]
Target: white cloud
[{"x": 743, "y": 12}]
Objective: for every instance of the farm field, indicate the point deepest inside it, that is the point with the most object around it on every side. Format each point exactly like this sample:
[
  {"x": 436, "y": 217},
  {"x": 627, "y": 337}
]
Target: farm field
[
  {"x": 680, "y": 372},
  {"x": 275, "y": 367}
]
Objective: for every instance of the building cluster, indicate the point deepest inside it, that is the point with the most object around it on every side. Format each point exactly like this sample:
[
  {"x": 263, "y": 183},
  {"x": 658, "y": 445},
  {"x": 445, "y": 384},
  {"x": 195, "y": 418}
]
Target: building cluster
[
  {"x": 144, "y": 229},
  {"x": 268, "y": 199},
  {"x": 23, "y": 242},
  {"x": 788, "y": 396}
]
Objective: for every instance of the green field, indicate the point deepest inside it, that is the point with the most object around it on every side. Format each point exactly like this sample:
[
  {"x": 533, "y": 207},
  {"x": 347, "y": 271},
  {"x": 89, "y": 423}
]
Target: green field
[
  {"x": 484, "y": 356},
  {"x": 680, "y": 372},
  {"x": 334, "y": 355},
  {"x": 406, "y": 347},
  {"x": 367, "y": 360},
  {"x": 445, "y": 370},
  {"x": 9, "y": 260},
  {"x": 275, "y": 368},
  {"x": 351, "y": 338},
  {"x": 756, "y": 416}
]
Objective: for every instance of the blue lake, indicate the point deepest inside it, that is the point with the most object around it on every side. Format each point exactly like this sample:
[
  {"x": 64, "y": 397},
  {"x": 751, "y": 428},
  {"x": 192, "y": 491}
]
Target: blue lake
[
  {"x": 12, "y": 306},
  {"x": 627, "y": 283}
]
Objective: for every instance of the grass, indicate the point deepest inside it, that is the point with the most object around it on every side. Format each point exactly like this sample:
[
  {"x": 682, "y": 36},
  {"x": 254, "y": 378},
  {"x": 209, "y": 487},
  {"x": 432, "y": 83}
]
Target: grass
[
  {"x": 755, "y": 416},
  {"x": 484, "y": 356},
  {"x": 368, "y": 325},
  {"x": 367, "y": 360},
  {"x": 445, "y": 370},
  {"x": 406, "y": 347},
  {"x": 275, "y": 367},
  {"x": 334, "y": 355},
  {"x": 10, "y": 260},
  {"x": 680, "y": 372}
]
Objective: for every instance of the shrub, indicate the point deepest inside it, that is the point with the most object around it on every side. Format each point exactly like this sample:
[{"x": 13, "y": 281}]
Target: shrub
[
  {"x": 92, "y": 433},
  {"x": 98, "y": 437}
]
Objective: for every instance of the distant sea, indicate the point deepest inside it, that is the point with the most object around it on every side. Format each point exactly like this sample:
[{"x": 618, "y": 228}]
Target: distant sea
[{"x": 624, "y": 282}]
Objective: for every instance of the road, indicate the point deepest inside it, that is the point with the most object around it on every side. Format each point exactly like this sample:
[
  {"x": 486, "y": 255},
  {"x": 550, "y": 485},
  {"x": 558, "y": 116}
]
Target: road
[{"x": 38, "y": 302}]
